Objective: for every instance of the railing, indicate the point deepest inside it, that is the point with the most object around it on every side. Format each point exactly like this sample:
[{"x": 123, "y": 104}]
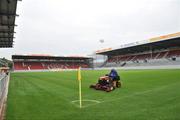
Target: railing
[{"x": 3, "y": 93}]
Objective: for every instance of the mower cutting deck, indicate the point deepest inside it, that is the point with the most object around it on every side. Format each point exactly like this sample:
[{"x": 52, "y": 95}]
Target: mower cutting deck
[{"x": 105, "y": 83}]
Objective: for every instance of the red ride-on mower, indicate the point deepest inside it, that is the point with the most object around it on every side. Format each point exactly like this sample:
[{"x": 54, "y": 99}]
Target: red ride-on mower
[{"x": 105, "y": 83}]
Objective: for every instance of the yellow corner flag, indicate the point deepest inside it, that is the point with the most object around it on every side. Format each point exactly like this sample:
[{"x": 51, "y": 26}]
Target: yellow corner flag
[
  {"x": 80, "y": 94},
  {"x": 79, "y": 73}
]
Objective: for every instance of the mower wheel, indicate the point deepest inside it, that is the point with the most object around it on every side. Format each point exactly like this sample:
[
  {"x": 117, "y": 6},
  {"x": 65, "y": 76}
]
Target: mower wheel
[{"x": 118, "y": 84}]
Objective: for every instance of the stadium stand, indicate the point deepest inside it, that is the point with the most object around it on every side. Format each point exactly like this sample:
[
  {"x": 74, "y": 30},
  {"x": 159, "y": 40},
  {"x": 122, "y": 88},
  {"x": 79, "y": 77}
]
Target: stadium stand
[
  {"x": 50, "y": 62},
  {"x": 7, "y": 22},
  {"x": 163, "y": 50}
]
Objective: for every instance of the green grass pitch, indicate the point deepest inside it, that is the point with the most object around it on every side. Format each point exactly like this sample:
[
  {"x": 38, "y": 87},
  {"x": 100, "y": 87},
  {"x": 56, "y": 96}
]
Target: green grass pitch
[{"x": 145, "y": 95}]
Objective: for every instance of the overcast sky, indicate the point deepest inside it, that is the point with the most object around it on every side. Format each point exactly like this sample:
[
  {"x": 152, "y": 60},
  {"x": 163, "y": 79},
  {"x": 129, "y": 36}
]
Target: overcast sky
[{"x": 74, "y": 27}]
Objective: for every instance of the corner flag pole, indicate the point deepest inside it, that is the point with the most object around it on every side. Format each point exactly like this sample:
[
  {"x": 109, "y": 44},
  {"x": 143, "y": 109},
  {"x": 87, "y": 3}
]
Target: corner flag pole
[{"x": 80, "y": 94}]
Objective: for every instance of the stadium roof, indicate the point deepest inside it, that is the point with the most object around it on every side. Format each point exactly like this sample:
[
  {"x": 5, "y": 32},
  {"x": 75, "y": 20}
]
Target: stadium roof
[
  {"x": 156, "y": 43},
  {"x": 7, "y": 22},
  {"x": 49, "y": 57}
]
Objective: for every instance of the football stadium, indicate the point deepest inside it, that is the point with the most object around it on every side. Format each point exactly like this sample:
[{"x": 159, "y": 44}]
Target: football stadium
[{"x": 134, "y": 81}]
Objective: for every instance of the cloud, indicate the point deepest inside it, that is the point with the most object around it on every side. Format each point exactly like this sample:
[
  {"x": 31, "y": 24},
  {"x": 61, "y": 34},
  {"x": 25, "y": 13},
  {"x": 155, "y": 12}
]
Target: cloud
[{"x": 66, "y": 27}]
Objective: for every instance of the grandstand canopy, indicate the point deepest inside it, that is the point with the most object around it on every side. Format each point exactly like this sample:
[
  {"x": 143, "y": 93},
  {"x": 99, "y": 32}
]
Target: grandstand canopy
[
  {"x": 153, "y": 44},
  {"x": 23, "y": 57},
  {"x": 7, "y": 22}
]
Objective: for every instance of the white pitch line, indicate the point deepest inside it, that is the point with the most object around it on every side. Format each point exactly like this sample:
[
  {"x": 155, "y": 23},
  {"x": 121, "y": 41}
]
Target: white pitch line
[
  {"x": 94, "y": 102},
  {"x": 135, "y": 94}
]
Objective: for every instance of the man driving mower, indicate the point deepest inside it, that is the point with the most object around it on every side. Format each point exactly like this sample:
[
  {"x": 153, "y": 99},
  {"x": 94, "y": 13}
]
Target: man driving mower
[{"x": 108, "y": 82}]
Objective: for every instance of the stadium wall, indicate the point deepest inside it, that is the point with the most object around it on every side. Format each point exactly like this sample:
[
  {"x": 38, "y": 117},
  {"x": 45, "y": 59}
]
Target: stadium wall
[
  {"x": 108, "y": 68},
  {"x": 51, "y": 70},
  {"x": 141, "y": 67}
]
